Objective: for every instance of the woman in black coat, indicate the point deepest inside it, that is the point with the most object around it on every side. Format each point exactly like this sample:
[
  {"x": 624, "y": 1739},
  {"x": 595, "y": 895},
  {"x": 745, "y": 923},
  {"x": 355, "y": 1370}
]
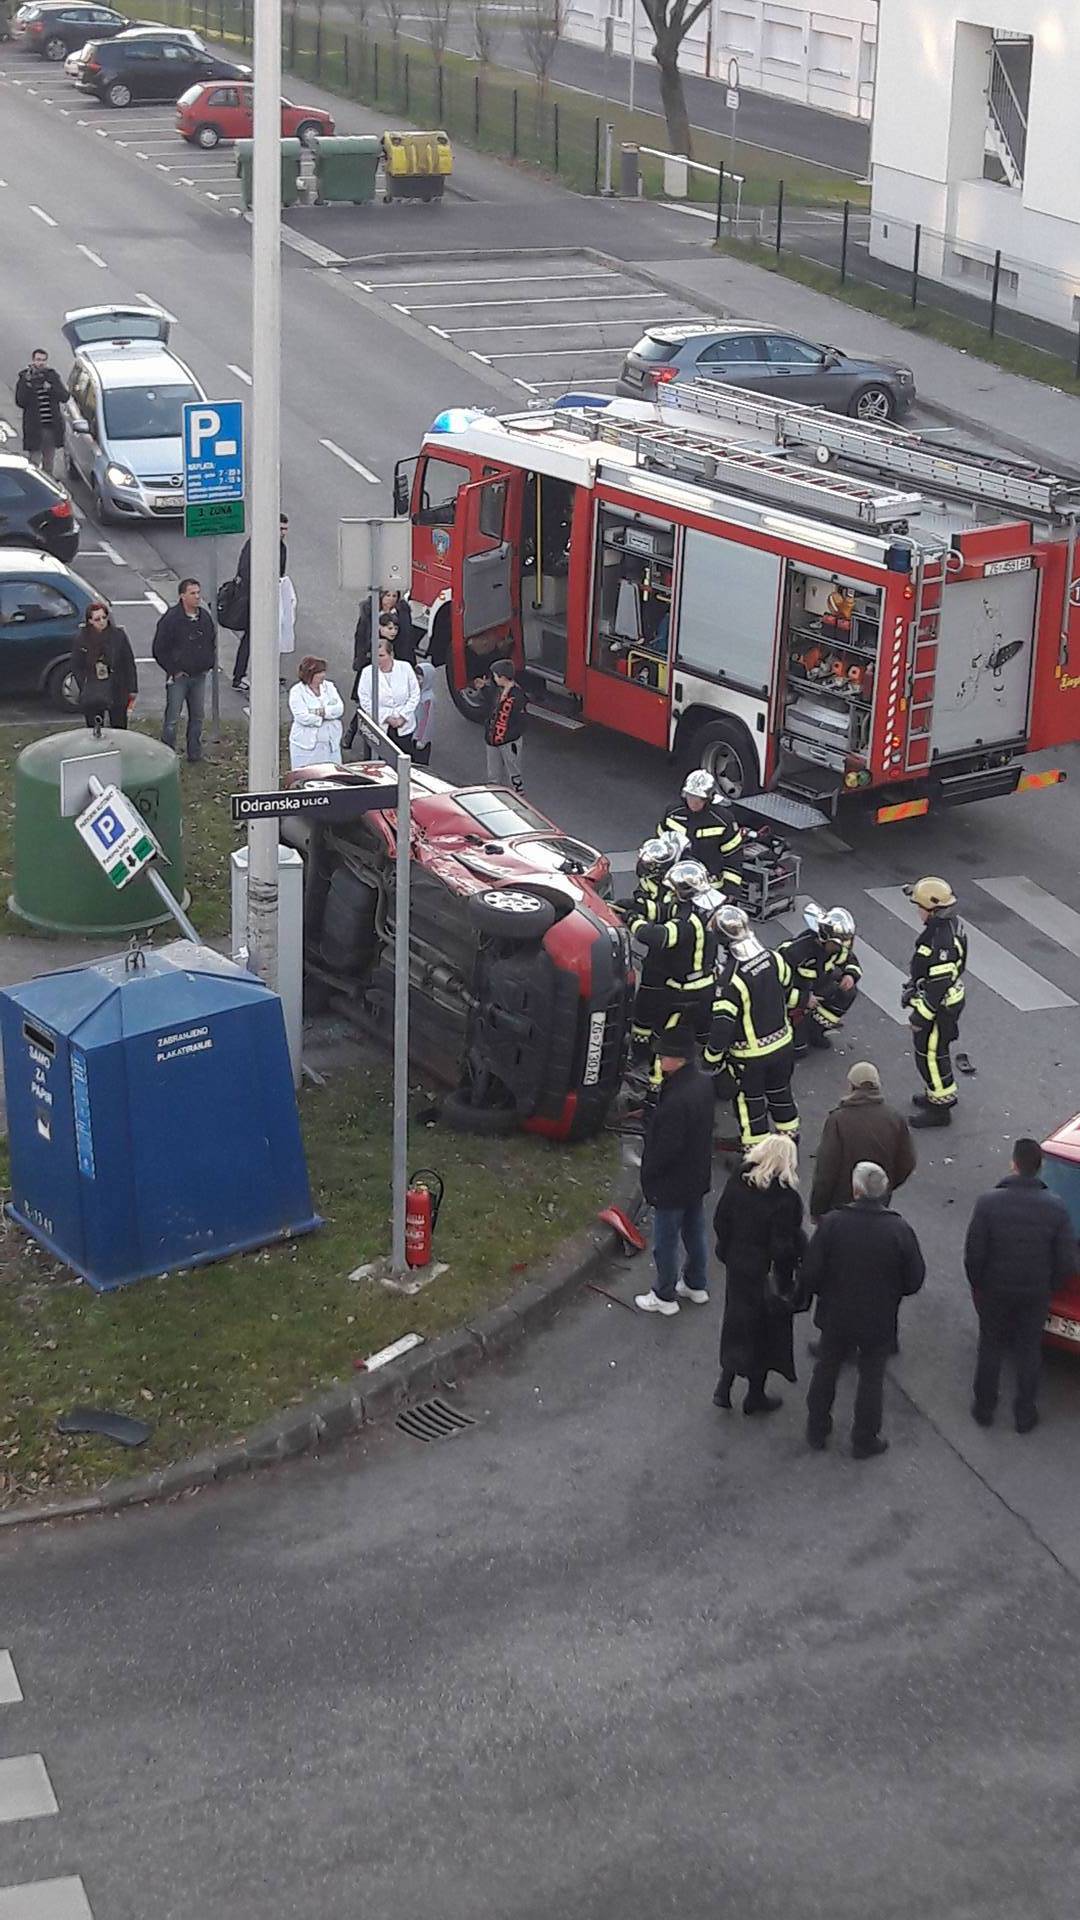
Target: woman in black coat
[
  {"x": 104, "y": 666},
  {"x": 760, "y": 1239},
  {"x": 392, "y": 606}
]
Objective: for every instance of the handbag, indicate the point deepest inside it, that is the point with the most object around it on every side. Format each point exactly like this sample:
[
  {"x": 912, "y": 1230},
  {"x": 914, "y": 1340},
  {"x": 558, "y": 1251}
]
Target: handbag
[{"x": 233, "y": 605}]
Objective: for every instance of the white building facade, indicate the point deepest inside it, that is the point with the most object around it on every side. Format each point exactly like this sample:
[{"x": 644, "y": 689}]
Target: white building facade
[
  {"x": 822, "y": 57},
  {"x": 977, "y": 138}
]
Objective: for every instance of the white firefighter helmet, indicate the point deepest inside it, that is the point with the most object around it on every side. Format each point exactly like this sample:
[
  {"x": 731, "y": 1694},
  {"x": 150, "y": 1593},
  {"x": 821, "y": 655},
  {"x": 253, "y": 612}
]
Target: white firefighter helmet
[
  {"x": 655, "y": 857},
  {"x": 733, "y": 926},
  {"x": 687, "y": 878},
  {"x": 812, "y": 916},
  {"x": 699, "y": 785},
  {"x": 837, "y": 924},
  {"x": 709, "y": 902}
]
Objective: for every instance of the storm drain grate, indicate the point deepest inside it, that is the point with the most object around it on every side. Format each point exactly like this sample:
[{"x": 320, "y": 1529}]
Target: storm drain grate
[{"x": 433, "y": 1420}]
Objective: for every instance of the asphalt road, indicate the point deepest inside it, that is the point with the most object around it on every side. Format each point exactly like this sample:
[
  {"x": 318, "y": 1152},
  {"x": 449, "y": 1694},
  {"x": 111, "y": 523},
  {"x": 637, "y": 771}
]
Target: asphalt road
[{"x": 608, "y": 1652}]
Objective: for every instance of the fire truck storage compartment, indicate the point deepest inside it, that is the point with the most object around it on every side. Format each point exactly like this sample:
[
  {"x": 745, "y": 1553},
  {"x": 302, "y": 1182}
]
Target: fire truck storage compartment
[
  {"x": 984, "y": 661},
  {"x": 830, "y": 645},
  {"x": 632, "y": 610},
  {"x": 728, "y": 599},
  {"x": 545, "y": 568}
]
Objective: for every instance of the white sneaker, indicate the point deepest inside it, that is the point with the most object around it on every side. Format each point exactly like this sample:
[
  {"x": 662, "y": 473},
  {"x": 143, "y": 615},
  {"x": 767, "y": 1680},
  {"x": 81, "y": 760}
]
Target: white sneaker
[
  {"x": 699, "y": 1295},
  {"x": 651, "y": 1303}
]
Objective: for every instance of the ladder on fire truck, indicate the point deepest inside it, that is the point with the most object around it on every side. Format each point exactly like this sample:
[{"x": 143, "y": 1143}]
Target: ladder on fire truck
[
  {"x": 924, "y": 633},
  {"x": 708, "y": 460},
  {"x": 993, "y": 478}
]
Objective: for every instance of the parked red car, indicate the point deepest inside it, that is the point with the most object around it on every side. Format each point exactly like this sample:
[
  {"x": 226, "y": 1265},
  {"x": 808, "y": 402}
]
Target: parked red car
[
  {"x": 213, "y": 111},
  {"x": 1061, "y": 1171}
]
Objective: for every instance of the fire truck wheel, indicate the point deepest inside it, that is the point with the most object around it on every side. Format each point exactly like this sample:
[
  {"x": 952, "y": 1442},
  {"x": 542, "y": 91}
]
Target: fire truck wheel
[
  {"x": 873, "y": 403},
  {"x": 461, "y": 1116},
  {"x": 724, "y": 750},
  {"x": 509, "y": 913},
  {"x": 468, "y": 700}
]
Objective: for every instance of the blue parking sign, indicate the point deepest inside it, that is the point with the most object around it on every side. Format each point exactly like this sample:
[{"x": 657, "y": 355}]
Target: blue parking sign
[
  {"x": 108, "y": 829},
  {"x": 213, "y": 451}
]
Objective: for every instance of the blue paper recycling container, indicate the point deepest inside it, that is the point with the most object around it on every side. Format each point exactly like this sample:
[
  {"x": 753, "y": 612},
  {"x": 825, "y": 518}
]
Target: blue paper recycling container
[{"x": 151, "y": 1114}]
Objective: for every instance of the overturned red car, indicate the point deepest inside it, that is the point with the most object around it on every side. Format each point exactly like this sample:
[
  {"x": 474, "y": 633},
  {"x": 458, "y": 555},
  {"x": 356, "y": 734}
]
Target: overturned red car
[
  {"x": 520, "y": 970},
  {"x": 1061, "y": 1171}
]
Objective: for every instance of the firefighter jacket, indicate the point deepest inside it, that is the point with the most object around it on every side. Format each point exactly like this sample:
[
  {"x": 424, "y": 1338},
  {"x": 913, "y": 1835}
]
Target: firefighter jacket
[
  {"x": 680, "y": 951},
  {"x": 937, "y": 967},
  {"x": 749, "y": 1012},
  {"x": 649, "y": 901},
  {"x": 715, "y": 838},
  {"x": 815, "y": 965}
]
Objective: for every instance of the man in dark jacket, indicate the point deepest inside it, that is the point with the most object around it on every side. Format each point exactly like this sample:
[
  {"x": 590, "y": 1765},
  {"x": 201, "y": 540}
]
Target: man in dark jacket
[
  {"x": 504, "y": 727},
  {"x": 863, "y": 1260},
  {"x": 185, "y": 646},
  {"x": 676, "y": 1174},
  {"x": 862, "y": 1127},
  {"x": 1020, "y": 1247},
  {"x": 243, "y": 574},
  {"x": 40, "y": 393}
]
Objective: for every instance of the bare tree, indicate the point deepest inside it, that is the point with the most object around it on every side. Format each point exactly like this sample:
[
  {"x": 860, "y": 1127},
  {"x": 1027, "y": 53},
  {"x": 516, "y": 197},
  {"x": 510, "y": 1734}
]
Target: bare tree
[
  {"x": 358, "y": 12},
  {"x": 395, "y": 14},
  {"x": 542, "y": 25},
  {"x": 487, "y": 32},
  {"x": 436, "y": 18},
  {"x": 671, "y": 21}
]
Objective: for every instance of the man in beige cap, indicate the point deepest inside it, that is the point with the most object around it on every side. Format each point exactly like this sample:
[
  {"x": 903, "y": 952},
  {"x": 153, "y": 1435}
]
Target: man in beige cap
[{"x": 862, "y": 1127}]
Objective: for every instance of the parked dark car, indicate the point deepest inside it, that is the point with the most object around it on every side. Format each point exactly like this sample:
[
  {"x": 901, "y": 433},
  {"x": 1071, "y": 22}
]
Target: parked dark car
[
  {"x": 42, "y": 606},
  {"x": 35, "y": 511},
  {"x": 120, "y": 72},
  {"x": 55, "y": 31},
  {"x": 766, "y": 360}
]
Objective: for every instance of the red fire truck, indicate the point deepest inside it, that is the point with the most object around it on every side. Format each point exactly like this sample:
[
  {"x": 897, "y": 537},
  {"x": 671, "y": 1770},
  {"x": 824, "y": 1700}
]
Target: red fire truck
[{"x": 799, "y": 602}]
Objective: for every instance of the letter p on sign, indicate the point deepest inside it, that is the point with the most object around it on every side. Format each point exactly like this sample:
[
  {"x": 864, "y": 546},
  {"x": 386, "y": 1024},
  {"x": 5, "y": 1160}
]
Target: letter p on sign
[{"x": 204, "y": 423}]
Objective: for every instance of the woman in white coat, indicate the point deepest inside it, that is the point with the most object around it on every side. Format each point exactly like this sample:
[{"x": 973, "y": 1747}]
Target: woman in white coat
[
  {"x": 399, "y": 695},
  {"x": 316, "y": 707}
]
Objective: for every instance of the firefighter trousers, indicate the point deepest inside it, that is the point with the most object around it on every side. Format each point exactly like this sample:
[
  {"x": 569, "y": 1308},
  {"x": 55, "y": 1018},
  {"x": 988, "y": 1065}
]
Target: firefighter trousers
[
  {"x": 830, "y": 1010},
  {"x": 933, "y": 1040},
  {"x": 763, "y": 1095},
  {"x": 659, "y": 1012}
]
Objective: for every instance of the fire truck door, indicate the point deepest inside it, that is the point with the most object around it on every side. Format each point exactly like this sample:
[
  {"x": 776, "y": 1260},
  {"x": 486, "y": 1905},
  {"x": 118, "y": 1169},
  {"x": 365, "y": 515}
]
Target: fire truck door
[
  {"x": 984, "y": 660},
  {"x": 484, "y": 569}
]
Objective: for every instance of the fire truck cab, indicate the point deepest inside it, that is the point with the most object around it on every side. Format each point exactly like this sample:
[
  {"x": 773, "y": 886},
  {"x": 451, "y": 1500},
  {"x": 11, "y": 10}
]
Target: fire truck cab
[{"x": 795, "y": 601}]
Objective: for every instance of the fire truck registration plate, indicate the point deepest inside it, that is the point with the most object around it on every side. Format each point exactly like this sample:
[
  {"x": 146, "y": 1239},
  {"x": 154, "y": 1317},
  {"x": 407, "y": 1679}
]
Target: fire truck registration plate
[
  {"x": 1065, "y": 1329},
  {"x": 591, "y": 1075}
]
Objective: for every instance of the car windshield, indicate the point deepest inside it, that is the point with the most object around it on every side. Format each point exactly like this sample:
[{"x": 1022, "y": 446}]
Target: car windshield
[
  {"x": 146, "y": 413},
  {"x": 501, "y": 814}
]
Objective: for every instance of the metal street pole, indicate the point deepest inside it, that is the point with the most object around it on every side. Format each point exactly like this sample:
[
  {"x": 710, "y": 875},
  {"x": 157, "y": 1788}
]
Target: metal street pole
[
  {"x": 264, "y": 730},
  {"x": 401, "y": 1013},
  {"x": 633, "y": 50}
]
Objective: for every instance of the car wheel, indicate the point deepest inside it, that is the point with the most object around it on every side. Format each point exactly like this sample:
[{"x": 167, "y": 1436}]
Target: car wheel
[
  {"x": 118, "y": 95},
  {"x": 468, "y": 700},
  {"x": 305, "y": 131},
  {"x": 62, "y": 688},
  {"x": 724, "y": 750},
  {"x": 55, "y": 49},
  {"x": 206, "y": 136},
  {"x": 462, "y": 1115},
  {"x": 874, "y": 404},
  {"x": 511, "y": 913},
  {"x": 97, "y": 506}
]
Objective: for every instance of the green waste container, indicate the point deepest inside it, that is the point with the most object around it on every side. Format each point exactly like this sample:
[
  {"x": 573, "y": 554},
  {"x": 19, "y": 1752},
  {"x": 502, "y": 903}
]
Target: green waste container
[
  {"x": 58, "y": 883},
  {"x": 290, "y": 171},
  {"x": 345, "y": 166}
]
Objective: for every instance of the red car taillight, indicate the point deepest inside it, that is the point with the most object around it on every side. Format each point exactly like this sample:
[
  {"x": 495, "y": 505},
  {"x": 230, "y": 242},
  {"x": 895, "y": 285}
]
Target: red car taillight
[
  {"x": 61, "y": 511},
  {"x": 659, "y": 376},
  {"x": 91, "y": 66}
]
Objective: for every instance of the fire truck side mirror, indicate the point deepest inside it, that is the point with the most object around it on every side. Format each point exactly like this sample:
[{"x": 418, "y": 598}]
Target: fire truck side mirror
[{"x": 401, "y": 490}]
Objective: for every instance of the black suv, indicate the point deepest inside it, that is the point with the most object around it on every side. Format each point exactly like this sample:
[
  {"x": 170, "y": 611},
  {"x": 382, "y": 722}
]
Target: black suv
[
  {"x": 55, "y": 31},
  {"x": 34, "y": 510},
  {"x": 122, "y": 71}
]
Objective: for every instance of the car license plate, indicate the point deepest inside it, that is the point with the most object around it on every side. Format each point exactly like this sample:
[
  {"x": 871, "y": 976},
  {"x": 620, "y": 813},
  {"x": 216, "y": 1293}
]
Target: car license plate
[
  {"x": 167, "y": 500},
  {"x": 595, "y": 1050},
  {"x": 1065, "y": 1329}
]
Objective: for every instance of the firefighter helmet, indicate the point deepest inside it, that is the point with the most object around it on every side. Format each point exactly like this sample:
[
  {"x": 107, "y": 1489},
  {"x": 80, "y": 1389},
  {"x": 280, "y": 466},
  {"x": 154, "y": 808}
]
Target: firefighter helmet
[
  {"x": 709, "y": 902},
  {"x": 699, "y": 785},
  {"x": 812, "y": 914},
  {"x": 837, "y": 924},
  {"x": 655, "y": 857},
  {"x": 687, "y": 878},
  {"x": 730, "y": 922},
  {"x": 931, "y": 893}
]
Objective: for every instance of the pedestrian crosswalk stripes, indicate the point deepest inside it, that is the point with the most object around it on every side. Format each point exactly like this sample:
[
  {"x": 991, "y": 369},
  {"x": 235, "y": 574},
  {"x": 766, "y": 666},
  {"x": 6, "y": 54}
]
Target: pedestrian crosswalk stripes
[
  {"x": 994, "y": 965},
  {"x": 1046, "y": 913},
  {"x": 46, "y": 1900},
  {"x": 10, "y": 1690},
  {"x": 25, "y": 1788}
]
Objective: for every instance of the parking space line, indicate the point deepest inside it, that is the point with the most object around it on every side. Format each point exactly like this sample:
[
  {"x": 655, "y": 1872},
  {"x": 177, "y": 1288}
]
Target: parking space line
[
  {"x": 541, "y": 326},
  {"x": 357, "y": 465},
  {"x": 10, "y": 1690},
  {"x": 149, "y": 301},
  {"x": 240, "y": 373},
  {"x": 509, "y": 280},
  {"x": 156, "y": 600},
  {"x": 533, "y": 300},
  {"x": 25, "y": 1789},
  {"x": 479, "y": 356},
  {"x": 42, "y": 215},
  {"x": 559, "y": 353},
  {"x": 441, "y": 331},
  {"x": 524, "y": 383},
  {"x": 595, "y": 379},
  {"x": 46, "y": 1900},
  {"x": 91, "y": 255}
]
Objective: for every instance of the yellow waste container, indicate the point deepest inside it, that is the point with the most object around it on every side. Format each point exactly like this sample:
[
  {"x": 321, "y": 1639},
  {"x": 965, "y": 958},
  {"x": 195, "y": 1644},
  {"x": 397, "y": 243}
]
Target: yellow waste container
[{"x": 417, "y": 165}]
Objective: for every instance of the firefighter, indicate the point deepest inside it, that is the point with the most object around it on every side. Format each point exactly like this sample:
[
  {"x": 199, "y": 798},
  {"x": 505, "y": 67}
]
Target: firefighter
[
  {"x": 934, "y": 997},
  {"x": 750, "y": 1033},
  {"x": 655, "y": 859},
  {"x": 678, "y": 975},
  {"x": 714, "y": 835},
  {"x": 825, "y": 974}
]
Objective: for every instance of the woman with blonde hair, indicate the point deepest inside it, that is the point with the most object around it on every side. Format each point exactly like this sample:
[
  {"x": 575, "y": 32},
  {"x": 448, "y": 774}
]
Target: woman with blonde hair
[{"x": 760, "y": 1239}]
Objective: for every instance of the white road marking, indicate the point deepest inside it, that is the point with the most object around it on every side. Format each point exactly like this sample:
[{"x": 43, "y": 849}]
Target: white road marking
[
  {"x": 696, "y": 213},
  {"x": 240, "y": 374},
  {"x": 7, "y": 431},
  {"x": 162, "y": 168},
  {"x": 545, "y": 326},
  {"x": 1044, "y": 911},
  {"x": 480, "y": 356},
  {"x": 559, "y": 386},
  {"x": 363, "y": 286},
  {"x": 557, "y": 353},
  {"x": 110, "y": 551},
  {"x": 356, "y": 465},
  {"x": 141, "y": 601},
  {"x": 156, "y": 600},
  {"x": 42, "y": 215},
  {"x": 102, "y": 132},
  {"x": 398, "y": 308},
  {"x": 46, "y": 1900},
  {"x": 213, "y": 196},
  {"x": 524, "y": 383},
  {"x": 3, "y": 183},
  {"x": 509, "y": 280},
  {"x": 186, "y": 180},
  {"x": 311, "y": 249},
  {"x": 881, "y": 981},
  {"x": 123, "y": 143},
  {"x": 92, "y": 256},
  {"x": 138, "y": 155},
  {"x": 25, "y": 1788},
  {"x": 537, "y": 300},
  {"x": 10, "y": 1690},
  {"x": 149, "y": 301},
  {"x": 994, "y": 965}
]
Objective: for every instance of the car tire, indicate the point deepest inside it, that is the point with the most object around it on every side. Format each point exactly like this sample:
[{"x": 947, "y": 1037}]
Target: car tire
[
  {"x": 206, "y": 136},
  {"x": 305, "y": 131},
  {"x": 97, "y": 506},
  {"x": 117, "y": 94},
  {"x": 61, "y": 687},
  {"x": 725, "y": 751},
  {"x": 511, "y": 913},
  {"x": 460, "y": 1114},
  {"x": 873, "y": 404},
  {"x": 55, "y": 49},
  {"x": 469, "y": 702}
]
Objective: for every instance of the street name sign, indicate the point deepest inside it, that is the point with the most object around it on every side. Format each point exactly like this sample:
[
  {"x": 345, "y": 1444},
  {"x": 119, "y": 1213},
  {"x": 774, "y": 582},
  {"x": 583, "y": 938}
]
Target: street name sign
[
  {"x": 117, "y": 836},
  {"x": 213, "y": 434},
  {"x": 329, "y": 803}
]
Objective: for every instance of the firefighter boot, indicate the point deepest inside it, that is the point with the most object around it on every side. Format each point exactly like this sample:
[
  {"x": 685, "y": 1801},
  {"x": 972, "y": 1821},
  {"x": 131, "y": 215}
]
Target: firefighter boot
[{"x": 933, "y": 1114}]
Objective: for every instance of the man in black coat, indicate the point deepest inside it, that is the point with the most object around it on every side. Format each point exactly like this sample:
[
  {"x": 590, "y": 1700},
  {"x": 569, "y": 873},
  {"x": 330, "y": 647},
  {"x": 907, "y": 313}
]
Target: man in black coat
[
  {"x": 1020, "y": 1247},
  {"x": 243, "y": 574},
  {"x": 676, "y": 1174},
  {"x": 40, "y": 394},
  {"x": 185, "y": 647},
  {"x": 863, "y": 1260}
]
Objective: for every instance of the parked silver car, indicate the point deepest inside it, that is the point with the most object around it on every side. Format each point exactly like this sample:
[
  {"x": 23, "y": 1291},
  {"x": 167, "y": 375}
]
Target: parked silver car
[
  {"x": 766, "y": 360},
  {"x": 122, "y": 431}
]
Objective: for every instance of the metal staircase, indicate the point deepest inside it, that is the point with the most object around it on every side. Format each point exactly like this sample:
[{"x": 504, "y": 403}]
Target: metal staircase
[{"x": 1007, "y": 98}]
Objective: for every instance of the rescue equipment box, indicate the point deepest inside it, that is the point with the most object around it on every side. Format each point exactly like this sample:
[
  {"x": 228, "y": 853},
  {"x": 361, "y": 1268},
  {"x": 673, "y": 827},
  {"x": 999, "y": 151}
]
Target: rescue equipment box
[{"x": 151, "y": 1112}]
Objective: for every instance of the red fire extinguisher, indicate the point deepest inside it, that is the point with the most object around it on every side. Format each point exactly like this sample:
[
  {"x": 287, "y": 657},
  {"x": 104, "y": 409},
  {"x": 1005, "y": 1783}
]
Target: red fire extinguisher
[{"x": 423, "y": 1199}]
